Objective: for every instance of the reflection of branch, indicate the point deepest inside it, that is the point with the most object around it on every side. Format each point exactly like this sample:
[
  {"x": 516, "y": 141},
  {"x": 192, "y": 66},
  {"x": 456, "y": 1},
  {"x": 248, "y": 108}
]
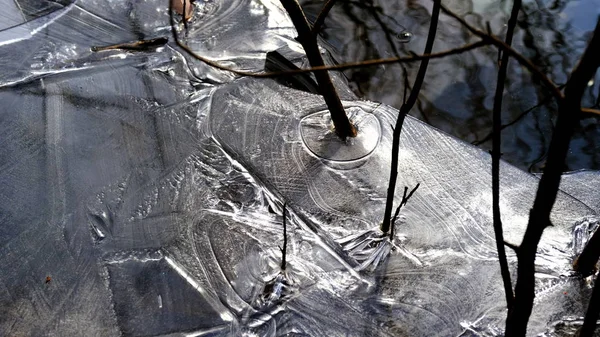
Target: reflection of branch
[
  {"x": 321, "y": 18},
  {"x": 513, "y": 122},
  {"x": 508, "y": 49},
  {"x": 539, "y": 216},
  {"x": 584, "y": 111},
  {"x": 384, "y": 27},
  {"x": 404, "y": 110},
  {"x": 497, "y": 153}
]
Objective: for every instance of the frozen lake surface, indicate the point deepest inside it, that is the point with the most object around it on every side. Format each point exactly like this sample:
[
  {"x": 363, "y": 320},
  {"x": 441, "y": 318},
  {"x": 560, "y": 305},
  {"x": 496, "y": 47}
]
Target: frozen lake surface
[{"x": 142, "y": 194}]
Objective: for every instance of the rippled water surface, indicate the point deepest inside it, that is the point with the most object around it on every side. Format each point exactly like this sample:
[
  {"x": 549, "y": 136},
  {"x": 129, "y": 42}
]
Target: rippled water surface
[{"x": 145, "y": 193}]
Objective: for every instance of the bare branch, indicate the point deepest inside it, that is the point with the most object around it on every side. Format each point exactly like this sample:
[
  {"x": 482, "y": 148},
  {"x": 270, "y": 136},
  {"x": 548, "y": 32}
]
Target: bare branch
[
  {"x": 539, "y": 217},
  {"x": 343, "y": 66},
  {"x": 404, "y": 110},
  {"x": 497, "y": 153}
]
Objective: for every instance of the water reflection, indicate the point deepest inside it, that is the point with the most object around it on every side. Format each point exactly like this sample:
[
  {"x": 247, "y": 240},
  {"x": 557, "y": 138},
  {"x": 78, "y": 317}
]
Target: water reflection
[{"x": 458, "y": 93}]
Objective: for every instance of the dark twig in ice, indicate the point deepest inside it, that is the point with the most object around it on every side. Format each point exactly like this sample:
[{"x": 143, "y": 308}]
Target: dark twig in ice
[
  {"x": 593, "y": 311},
  {"x": 539, "y": 216},
  {"x": 585, "y": 264},
  {"x": 141, "y": 45},
  {"x": 497, "y": 153},
  {"x": 284, "y": 249},
  {"x": 405, "y": 199},
  {"x": 404, "y": 110}
]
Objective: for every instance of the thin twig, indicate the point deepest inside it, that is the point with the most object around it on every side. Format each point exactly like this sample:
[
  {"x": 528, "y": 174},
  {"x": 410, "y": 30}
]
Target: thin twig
[
  {"x": 497, "y": 153},
  {"x": 404, "y": 110},
  {"x": 316, "y": 28},
  {"x": 539, "y": 216},
  {"x": 403, "y": 202},
  {"x": 284, "y": 249},
  {"x": 397, "y": 213}
]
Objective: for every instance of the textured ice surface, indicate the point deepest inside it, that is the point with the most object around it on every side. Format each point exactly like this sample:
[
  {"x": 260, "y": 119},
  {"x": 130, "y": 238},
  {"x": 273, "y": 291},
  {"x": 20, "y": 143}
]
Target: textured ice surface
[
  {"x": 444, "y": 271},
  {"x": 584, "y": 185},
  {"x": 140, "y": 196}
]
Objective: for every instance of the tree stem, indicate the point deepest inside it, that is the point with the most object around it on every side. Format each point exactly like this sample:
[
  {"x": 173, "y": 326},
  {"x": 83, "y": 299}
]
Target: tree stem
[
  {"x": 539, "y": 218},
  {"x": 497, "y": 153},
  {"x": 404, "y": 110},
  {"x": 341, "y": 123}
]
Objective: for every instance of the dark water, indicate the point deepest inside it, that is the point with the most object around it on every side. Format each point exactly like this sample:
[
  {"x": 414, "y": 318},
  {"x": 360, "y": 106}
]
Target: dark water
[{"x": 458, "y": 94}]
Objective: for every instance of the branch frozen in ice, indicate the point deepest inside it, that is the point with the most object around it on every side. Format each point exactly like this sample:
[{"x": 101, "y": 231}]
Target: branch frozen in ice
[
  {"x": 343, "y": 126},
  {"x": 404, "y": 110}
]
